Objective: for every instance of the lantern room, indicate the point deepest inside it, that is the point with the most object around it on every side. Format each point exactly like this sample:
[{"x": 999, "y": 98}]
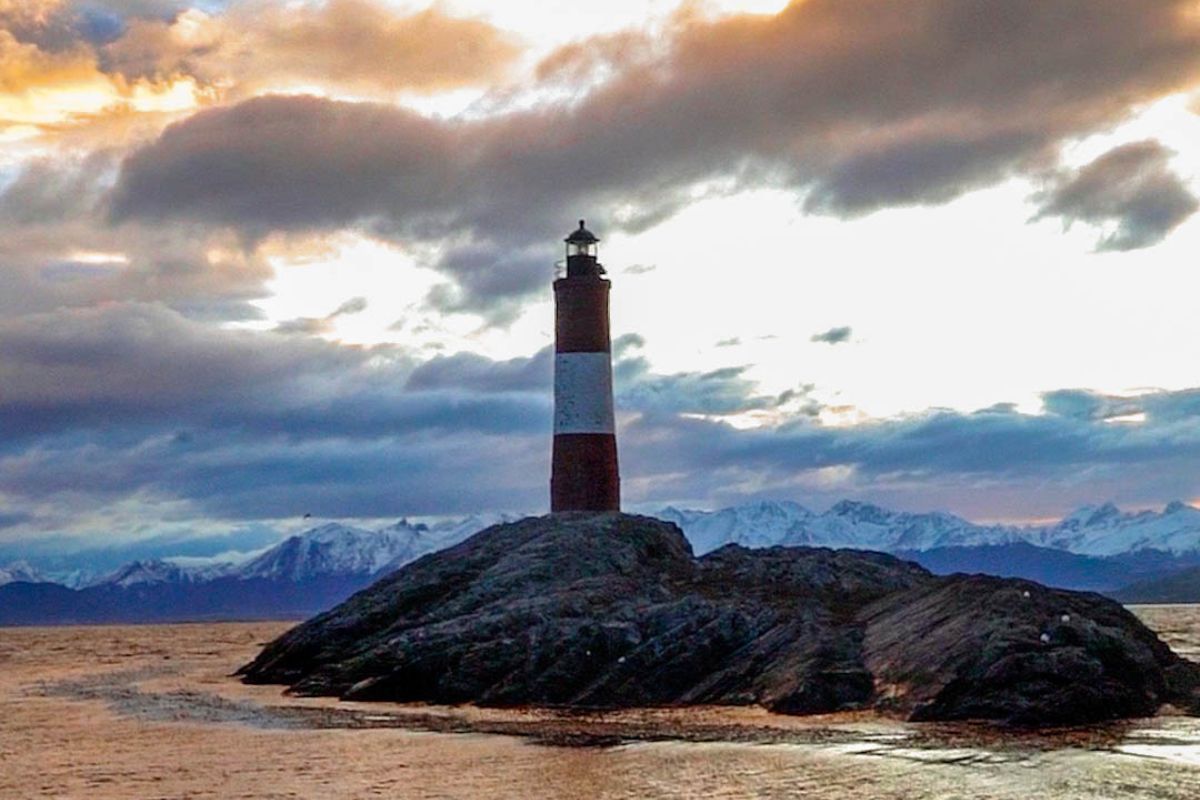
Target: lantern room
[{"x": 582, "y": 249}]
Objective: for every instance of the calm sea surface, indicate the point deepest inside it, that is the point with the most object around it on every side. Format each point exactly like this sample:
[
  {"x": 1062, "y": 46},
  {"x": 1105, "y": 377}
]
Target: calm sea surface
[{"x": 150, "y": 712}]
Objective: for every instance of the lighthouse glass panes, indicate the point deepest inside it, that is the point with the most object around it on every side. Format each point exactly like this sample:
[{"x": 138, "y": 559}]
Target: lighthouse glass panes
[
  {"x": 589, "y": 249},
  {"x": 584, "y": 474}
]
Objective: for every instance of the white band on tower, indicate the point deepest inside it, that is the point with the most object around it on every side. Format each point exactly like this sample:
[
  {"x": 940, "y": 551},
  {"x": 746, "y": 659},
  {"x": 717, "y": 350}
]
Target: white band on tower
[{"x": 583, "y": 393}]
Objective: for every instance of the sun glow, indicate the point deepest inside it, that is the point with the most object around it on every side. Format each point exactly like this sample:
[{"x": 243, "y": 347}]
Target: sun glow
[
  {"x": 39, "y": 108},
  {"x": 94, "y": 258},
  {"x": 1127, "y": 419}
]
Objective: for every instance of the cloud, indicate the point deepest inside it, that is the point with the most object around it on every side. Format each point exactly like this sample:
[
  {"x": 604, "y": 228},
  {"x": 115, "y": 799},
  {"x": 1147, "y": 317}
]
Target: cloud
[
  {"x": 1083, "y": 404},
  {"x": 53, "y": 84},
  {"x": 134, "y": 400},
  {"x": 312, "y": 326},
  {"x": 94, "y": 72},
  {"x": 10, "y": 519},
  {"x": 834, "y": 335},
  {"x": 355, "y": 305},
  {"x": 1131, "y": 188},
  {"x": 481, "y": 374},
  {"x": 996, "y": 463},
  {"x": 58, "y": 251},
  {"x": 74, "y": 552},
  {"x": 715, "y": 392},
  {"x": 102, "y": 405},
  {"x": 638, "y": 388},
  {"x": 135, "y": 403},
  {"x": 115, "y": 388},
  {"x": 854, "y": 106},
  {"x": 357, "y": 46}
]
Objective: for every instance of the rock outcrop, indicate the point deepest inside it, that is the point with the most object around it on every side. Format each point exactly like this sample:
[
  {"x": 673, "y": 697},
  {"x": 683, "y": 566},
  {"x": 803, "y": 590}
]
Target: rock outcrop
[{"x": 613, "y": 611}]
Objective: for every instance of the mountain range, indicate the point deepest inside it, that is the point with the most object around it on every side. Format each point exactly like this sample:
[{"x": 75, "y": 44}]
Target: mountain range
[
  {"x": 1099, "y": 531},
  {"x": 1098, "y": 548}
]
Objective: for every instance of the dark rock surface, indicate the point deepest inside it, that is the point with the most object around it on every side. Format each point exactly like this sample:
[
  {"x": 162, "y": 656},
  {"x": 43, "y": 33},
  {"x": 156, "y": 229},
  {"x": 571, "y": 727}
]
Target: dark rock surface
[{"x": 612, "y": 611}]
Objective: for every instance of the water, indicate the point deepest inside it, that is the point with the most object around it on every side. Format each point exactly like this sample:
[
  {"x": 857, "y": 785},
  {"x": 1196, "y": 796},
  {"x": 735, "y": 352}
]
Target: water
[{"x": 151, "y": 712}]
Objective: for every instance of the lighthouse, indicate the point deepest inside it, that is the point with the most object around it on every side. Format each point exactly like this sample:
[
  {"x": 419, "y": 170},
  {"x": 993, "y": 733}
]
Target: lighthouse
[{"x": 583, "y": 475}]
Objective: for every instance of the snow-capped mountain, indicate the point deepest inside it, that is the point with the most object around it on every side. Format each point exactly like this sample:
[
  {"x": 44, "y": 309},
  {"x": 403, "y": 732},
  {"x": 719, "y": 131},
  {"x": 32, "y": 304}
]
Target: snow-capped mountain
[
  {"x": 299, "y": 577},
  {"x": 423, "y": 539},
  {"x": 156, "y": 571},
  {"x": 342, "y": 550},
  {"x": 762, "y": 524},
  {"x": 332, "y": 549},
  {"x": 328, "y": 551},
  {"x": 1095, "y": 548},
  {"x": 849, "y": 524},
  {"x": 74, "y": 578},
  {"x": 21, "y": 571},
  {"x": 1090, "y": 531},
  {"x": 1106, "y": 530}
]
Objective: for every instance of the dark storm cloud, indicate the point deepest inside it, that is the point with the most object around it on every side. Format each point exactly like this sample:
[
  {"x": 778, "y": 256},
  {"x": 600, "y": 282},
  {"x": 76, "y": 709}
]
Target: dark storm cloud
[
  {"x": 135, "y": 399},
  {"x": 10, "y": 519},
  {"x": 477, "y": 373},
  {"x": 101, "y": 405},
  {"x": 717, "y": 392},
  {"x": 47, "y": 191},
  {"x": 834, "y": 335},
  {"x": 637, "y": 387},
  {"x": 983, "y": 453},
  {"x": 1132, "y": 187},
  {"x": 855, "y": 105},
  {"x": 146, "y": 368},
  {"x": 123, "y": 363},
  {"x": 490, "y": 277},
  {"x": 53, "y": 228}
]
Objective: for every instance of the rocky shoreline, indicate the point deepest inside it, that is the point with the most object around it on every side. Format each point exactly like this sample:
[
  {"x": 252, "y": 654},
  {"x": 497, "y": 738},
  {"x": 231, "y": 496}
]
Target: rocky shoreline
[{"x": 612, "y": 611}]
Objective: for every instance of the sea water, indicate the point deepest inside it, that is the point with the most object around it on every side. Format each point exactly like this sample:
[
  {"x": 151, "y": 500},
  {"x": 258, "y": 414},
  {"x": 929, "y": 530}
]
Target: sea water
[{"x": 153, "y": 712}]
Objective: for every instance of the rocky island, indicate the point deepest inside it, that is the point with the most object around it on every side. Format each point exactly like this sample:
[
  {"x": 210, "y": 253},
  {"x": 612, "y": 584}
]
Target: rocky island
[{"x": 613, "y": 610}]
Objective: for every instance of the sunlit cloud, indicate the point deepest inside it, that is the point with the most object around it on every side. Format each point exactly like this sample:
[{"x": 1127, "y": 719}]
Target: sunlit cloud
[{"x": 341, "y": 47}]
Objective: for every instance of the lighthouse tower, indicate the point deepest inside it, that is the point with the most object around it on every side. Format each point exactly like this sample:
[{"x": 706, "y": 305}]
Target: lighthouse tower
[{"x": 584, "y": 474}]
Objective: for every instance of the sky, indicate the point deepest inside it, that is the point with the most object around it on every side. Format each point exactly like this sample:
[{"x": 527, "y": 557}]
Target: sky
[{"x": 262, "y": 259}]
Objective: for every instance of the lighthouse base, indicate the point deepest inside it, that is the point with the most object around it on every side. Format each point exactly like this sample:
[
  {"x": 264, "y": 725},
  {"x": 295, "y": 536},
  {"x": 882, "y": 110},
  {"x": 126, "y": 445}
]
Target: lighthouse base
[{"x": 584, "y": 473}]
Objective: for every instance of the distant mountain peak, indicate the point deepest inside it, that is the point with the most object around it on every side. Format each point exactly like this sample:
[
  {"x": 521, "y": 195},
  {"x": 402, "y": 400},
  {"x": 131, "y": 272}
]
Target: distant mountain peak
[
  {"x": 145, "y": 571},
  {"x": 861, "y": 510},
  {"x": 21, "y": 572},
  {"x": 404, "y": 525}
]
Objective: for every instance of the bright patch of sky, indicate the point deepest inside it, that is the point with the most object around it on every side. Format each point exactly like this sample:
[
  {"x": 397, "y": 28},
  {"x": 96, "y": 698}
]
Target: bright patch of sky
[
  {"x": 960, "y": 306},
  {"x": 545, "y": 26}
]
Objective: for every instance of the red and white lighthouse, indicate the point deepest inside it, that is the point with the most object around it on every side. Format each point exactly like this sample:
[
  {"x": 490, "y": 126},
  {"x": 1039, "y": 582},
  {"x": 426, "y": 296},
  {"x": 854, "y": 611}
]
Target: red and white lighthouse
[{"x": 584, "y": 474}]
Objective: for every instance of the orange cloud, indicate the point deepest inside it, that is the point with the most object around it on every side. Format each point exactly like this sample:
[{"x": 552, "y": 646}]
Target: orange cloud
[
  {"x": 356, "y": 46},
  {"x": 28, "y": 13},
  {"x": 55, "y": 84},
  {"x": 47, "y": 92}
]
